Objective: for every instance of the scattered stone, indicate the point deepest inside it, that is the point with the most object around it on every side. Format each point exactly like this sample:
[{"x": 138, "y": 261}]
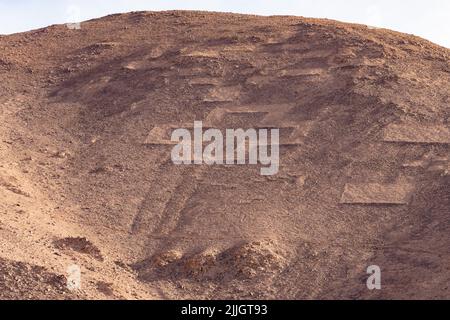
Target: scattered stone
[{"x": 79, "y": 244}]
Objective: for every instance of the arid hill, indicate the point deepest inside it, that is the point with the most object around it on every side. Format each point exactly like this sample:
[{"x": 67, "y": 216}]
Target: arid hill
[{"x": 86, "y": 176}]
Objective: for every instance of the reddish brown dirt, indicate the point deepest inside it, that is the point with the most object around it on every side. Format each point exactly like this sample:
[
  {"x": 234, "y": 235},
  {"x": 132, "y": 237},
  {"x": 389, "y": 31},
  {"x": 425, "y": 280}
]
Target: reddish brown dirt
[{"x": 86, "y": 179}]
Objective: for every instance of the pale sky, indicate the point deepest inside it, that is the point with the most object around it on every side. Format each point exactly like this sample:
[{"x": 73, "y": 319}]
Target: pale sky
[{"x": 429, "y": 19}]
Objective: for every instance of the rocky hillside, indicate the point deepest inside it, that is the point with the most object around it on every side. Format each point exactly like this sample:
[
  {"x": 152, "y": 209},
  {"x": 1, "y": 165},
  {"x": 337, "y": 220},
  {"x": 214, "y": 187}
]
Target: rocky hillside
[{"x": 86, "y": 176}]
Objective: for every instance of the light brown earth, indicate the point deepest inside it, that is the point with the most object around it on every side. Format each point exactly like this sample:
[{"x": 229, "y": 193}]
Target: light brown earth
[{"x": 86, "y": 176}]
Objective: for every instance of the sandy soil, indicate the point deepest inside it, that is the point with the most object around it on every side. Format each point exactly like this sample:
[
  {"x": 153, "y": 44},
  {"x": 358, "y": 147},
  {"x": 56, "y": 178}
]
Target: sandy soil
[{"x": 86, "y": 178}]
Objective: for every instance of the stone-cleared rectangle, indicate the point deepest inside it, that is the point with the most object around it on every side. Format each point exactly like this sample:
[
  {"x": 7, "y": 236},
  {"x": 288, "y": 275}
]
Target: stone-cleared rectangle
[
  {"x": 414, "y": 133},
  {"x": 159, "y": 135},
  {"x": 376, "y": 193}
]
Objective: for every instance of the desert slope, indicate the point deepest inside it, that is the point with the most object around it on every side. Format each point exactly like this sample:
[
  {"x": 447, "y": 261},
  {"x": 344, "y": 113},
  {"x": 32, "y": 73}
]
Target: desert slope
[{"x": 86, "y": 176}]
